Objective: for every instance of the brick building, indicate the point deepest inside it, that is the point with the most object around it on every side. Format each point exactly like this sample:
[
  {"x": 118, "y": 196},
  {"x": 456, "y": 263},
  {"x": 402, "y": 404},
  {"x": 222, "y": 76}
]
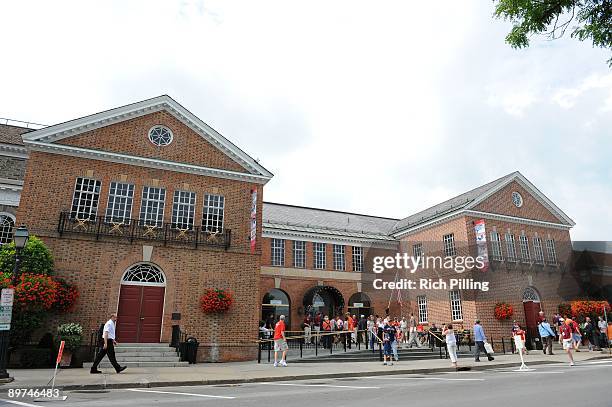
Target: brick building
[{"x": 144, "y": 206}]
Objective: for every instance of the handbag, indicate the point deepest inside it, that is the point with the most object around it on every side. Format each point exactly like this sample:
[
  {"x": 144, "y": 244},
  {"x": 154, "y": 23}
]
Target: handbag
[{"x": 489, "y": 348}]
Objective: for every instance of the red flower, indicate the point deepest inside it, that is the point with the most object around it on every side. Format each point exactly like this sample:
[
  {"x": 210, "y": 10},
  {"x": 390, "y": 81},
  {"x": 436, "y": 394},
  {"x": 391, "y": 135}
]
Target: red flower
[
  {"x": 216, "y": 300},
  {"x": 503, "y": 311}
]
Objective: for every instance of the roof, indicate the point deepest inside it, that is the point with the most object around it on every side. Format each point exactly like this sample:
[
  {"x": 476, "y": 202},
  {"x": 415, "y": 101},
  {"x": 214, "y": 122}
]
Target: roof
[
  {"x": 453, "y": 204},
  {"x": 45, "y": 138},
  {"x": 281, "y": 216},
  {"x": 473, "y": 197},
  {"x": 10, "y": 134}
]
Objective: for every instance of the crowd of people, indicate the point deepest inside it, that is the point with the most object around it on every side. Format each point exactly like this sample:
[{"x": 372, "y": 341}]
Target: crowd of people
[{"x": 390, "y": 332}]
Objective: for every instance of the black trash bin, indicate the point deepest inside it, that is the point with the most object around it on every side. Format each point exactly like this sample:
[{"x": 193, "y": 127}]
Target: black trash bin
[{"x": 191, "y": 349}]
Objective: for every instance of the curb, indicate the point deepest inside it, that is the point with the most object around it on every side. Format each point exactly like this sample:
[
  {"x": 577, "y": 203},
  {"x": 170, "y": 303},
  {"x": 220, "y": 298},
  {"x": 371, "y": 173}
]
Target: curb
[{"x": 147, "y": 384}]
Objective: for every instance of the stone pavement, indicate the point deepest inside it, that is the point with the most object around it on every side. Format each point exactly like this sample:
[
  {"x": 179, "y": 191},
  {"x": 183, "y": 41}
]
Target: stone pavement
[{"x": 242, "y": 372}]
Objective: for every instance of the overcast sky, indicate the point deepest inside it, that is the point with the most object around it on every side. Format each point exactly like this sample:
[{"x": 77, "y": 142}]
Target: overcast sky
[{"x": 383, "y": 108}]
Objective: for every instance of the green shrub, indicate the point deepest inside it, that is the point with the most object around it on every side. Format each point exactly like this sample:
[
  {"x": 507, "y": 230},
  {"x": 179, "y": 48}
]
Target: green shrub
[
  {"x": 35, "y": 258},
  {"x": 71, "y": 334}
]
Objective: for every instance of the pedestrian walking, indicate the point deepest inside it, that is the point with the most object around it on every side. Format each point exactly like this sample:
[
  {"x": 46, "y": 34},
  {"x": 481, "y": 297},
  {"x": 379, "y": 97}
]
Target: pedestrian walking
[
  {"x": 362, "y": 327},
  {"x": 307, "y": 329},
  {"x": 404, "y": 330},
  {"x": 603, "y": 328},
  {"x": 108, "y": 347},
  {"x": 412, "y": 333},
  {"x": 480, "y": 339},
  {"x": 280, "y": 342},
  {"x": 588, "y": 333},
  {"x": 388, "y": 339},
  {"x": 547, "y": 335},
  {"x": 566, "y": 335},
  {"x": 451, "y": 343}
]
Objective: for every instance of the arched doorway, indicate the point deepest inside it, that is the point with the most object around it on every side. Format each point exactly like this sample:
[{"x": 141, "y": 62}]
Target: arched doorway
[
  {"x": 275, "y": 303},
  {"x": 324, "y": 299},
  {"x": 141, "y": 304},
  {"x": 359, "y": 304},
  {"x": 531, "y": 306}
]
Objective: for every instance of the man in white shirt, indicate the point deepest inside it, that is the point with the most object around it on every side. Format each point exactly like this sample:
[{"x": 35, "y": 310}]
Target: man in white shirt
[{"x": 108, "y": 346}]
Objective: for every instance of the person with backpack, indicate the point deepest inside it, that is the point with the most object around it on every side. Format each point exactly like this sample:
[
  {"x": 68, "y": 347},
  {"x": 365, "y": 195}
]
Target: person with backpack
[
  {"x": 388, "y": 340},
  {"x": 547, "y": 335},
  {"x": 565, "y": 333}
]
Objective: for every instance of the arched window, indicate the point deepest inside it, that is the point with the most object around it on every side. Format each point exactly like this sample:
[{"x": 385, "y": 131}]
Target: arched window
[
  {"x": 7, "y": 224},
  {"x": 144, "y": 274},
  {"x": 530, "y": 294}
]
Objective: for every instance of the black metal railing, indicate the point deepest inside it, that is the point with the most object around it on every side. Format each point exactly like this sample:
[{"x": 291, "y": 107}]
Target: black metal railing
[{"x": 134, "y": 229}]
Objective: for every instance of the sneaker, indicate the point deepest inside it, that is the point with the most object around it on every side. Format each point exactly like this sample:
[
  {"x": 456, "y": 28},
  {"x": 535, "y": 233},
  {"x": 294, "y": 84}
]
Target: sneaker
[
  {"x": 283, "y": 363},
  {"x": 275, "y": 364},
  {"x": 121, "y": 369},
  {"x": 384, "y": 363},
  {"x": 491, "y": 358},
  {"x": 95, "y": 372},
  {"x": 476, "y": 360},
  {"x": 571, "y": 363}
]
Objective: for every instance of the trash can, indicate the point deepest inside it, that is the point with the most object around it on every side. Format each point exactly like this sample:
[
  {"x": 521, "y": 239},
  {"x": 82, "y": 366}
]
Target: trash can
[{"x": 191, "y": 349}]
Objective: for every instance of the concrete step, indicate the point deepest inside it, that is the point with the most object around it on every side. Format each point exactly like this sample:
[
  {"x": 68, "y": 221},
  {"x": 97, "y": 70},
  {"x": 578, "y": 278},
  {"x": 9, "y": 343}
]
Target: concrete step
[
  {"x": 106, "y": 364},
  {"x": 128, "y": 349},
  {"x": 174, "y": 358},
  {"x": 147, "y": 352}
]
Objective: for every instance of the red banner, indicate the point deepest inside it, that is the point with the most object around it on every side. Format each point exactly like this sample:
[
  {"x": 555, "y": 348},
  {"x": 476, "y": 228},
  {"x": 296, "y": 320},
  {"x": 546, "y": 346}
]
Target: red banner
[{"x": 59, "y": 353}]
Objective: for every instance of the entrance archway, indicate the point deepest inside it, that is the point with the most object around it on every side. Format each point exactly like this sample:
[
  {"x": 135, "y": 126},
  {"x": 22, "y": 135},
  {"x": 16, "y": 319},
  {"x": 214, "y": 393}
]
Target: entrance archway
[
  {"x": 324, "y": 299},
  {"x": 275, "y": 303},
  {"x": 531, "y": 306},
  {"x": 141, "y": 304},
  {"x": 359, "y": 304}
]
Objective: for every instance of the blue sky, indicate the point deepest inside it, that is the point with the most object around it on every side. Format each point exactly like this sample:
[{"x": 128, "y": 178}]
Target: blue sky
[{"x": 374, "y": 108}]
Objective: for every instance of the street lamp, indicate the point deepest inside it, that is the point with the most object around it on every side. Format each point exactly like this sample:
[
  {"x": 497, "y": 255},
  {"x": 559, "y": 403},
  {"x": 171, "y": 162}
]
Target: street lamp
[{"x": 20, "y": 238}]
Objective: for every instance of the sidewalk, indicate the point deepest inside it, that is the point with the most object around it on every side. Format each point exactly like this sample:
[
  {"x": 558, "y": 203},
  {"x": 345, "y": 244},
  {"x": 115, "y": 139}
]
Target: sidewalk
[{"x": 244, "y": 372}]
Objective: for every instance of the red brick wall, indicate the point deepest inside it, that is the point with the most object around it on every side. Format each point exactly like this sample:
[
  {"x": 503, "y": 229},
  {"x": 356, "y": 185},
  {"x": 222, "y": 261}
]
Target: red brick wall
[
  {"x": 132, "y": 137},
  {"x": 501, "y": 202},
  {"x": 96, "y": 267}
]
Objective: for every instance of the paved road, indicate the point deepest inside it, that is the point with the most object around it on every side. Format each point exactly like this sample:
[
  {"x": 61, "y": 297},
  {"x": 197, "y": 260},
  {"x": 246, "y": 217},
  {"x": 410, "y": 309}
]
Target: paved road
[{"x": 552, "y": 385}]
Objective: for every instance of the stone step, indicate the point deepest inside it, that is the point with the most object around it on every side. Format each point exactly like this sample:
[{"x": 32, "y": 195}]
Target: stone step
[
  {"x": 147, "y": 352},
  {"x": 158, "y": 348},
  {"x": 174, "y": 358},
  {"x": 105, "y": 364}
]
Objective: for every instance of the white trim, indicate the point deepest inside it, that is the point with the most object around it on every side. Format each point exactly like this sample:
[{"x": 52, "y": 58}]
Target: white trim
[
  {"x": 533, "y": 191},
  {"x": 145, "y": 162},
  {"x": 11, "y": 187},
  {"x": 514, "y": 219},
  {"x": 10, "y": 215},
  {"x": 60, "y": 131},
  {"x": 323, "y": 238},
  {"x": 148, "y": 263},
  {"x": 12, "y": 150},
  {"x": 319, "y": 274}
]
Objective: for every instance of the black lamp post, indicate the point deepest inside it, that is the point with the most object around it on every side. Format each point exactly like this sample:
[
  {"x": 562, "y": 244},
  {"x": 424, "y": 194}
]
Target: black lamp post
[{"x": 20, "y": 238}]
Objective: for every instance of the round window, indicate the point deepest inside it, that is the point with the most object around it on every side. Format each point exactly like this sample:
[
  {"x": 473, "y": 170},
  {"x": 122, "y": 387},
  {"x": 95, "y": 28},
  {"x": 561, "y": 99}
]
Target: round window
[
  {"x": 160, "y": 136},
  {"x": 517, "y": 199}
]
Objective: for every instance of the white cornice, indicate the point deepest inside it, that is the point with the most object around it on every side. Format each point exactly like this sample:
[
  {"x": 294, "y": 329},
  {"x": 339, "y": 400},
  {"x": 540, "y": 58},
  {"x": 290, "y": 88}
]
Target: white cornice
[
  {"x": 57, "y": 132},
  {"x": 288, "y": 272},
  {"x": 514, "y": 219},
  {"x": 12, "y": 150},
  {"x": 327, "y": 238},
  {"x": 144, "y": 162}
]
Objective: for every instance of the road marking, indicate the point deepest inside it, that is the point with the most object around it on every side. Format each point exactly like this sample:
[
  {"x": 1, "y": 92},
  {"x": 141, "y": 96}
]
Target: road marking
[
  {"x": 19, "y": 403},
  {"x": 425, "y": 378},
  {"x": 319, "y": 385},
  {"x": 182, "y": 394}
]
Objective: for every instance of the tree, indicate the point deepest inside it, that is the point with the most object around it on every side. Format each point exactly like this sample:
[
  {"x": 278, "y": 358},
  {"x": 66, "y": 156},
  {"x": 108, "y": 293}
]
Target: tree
[
  {"x": 551, "y": 18},
  {"x": 35, "y": 258}
]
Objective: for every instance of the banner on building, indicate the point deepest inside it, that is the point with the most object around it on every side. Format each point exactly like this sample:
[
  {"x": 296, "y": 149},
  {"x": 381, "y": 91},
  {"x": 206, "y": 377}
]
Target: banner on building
[
  {"x": 481, "y": 242},
  {"x": 253, "y": 219}
]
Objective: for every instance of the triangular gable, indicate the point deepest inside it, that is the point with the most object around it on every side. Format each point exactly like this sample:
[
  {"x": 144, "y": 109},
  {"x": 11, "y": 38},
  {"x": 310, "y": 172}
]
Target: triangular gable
[
  {"x": 48, "y": 136},
  {"x": 530, "y": 189}
]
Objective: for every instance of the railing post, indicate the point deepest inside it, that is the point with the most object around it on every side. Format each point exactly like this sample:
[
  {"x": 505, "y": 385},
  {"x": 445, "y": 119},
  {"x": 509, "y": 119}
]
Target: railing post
[
  {"x": 98, "y": 228},
  {"x": 269, "y": 349},
  {"x": 301, "y": 354},
  {"x": 344, "y": 339},
  {"x": 503, "y": 346},
  {"x": 316, "y": 345},
  {"x": 259, "y": 351},
  {"x": 330, "y": 343},
  {"x": 380, "y": 352},
  {"x": 512, "y": 345}
]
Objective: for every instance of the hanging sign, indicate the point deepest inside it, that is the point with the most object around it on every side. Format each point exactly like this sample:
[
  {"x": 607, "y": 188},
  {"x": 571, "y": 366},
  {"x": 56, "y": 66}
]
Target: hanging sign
[
  {"x": 7, "y": 296},
  {"x": 481, "y": 243},
  {"x": 357, "y": 305},
  {"x": 253, "y": 219}
]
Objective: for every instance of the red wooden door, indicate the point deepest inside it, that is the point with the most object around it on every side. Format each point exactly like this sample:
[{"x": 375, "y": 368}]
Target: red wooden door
[
  {"x": 531, "y": 314},
  {"x": 140, "y": 314}
]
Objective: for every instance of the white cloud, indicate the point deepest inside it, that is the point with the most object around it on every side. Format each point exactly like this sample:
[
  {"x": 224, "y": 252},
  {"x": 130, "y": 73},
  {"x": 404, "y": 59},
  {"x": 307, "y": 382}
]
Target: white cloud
[{"x": 382, "y": 108}]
